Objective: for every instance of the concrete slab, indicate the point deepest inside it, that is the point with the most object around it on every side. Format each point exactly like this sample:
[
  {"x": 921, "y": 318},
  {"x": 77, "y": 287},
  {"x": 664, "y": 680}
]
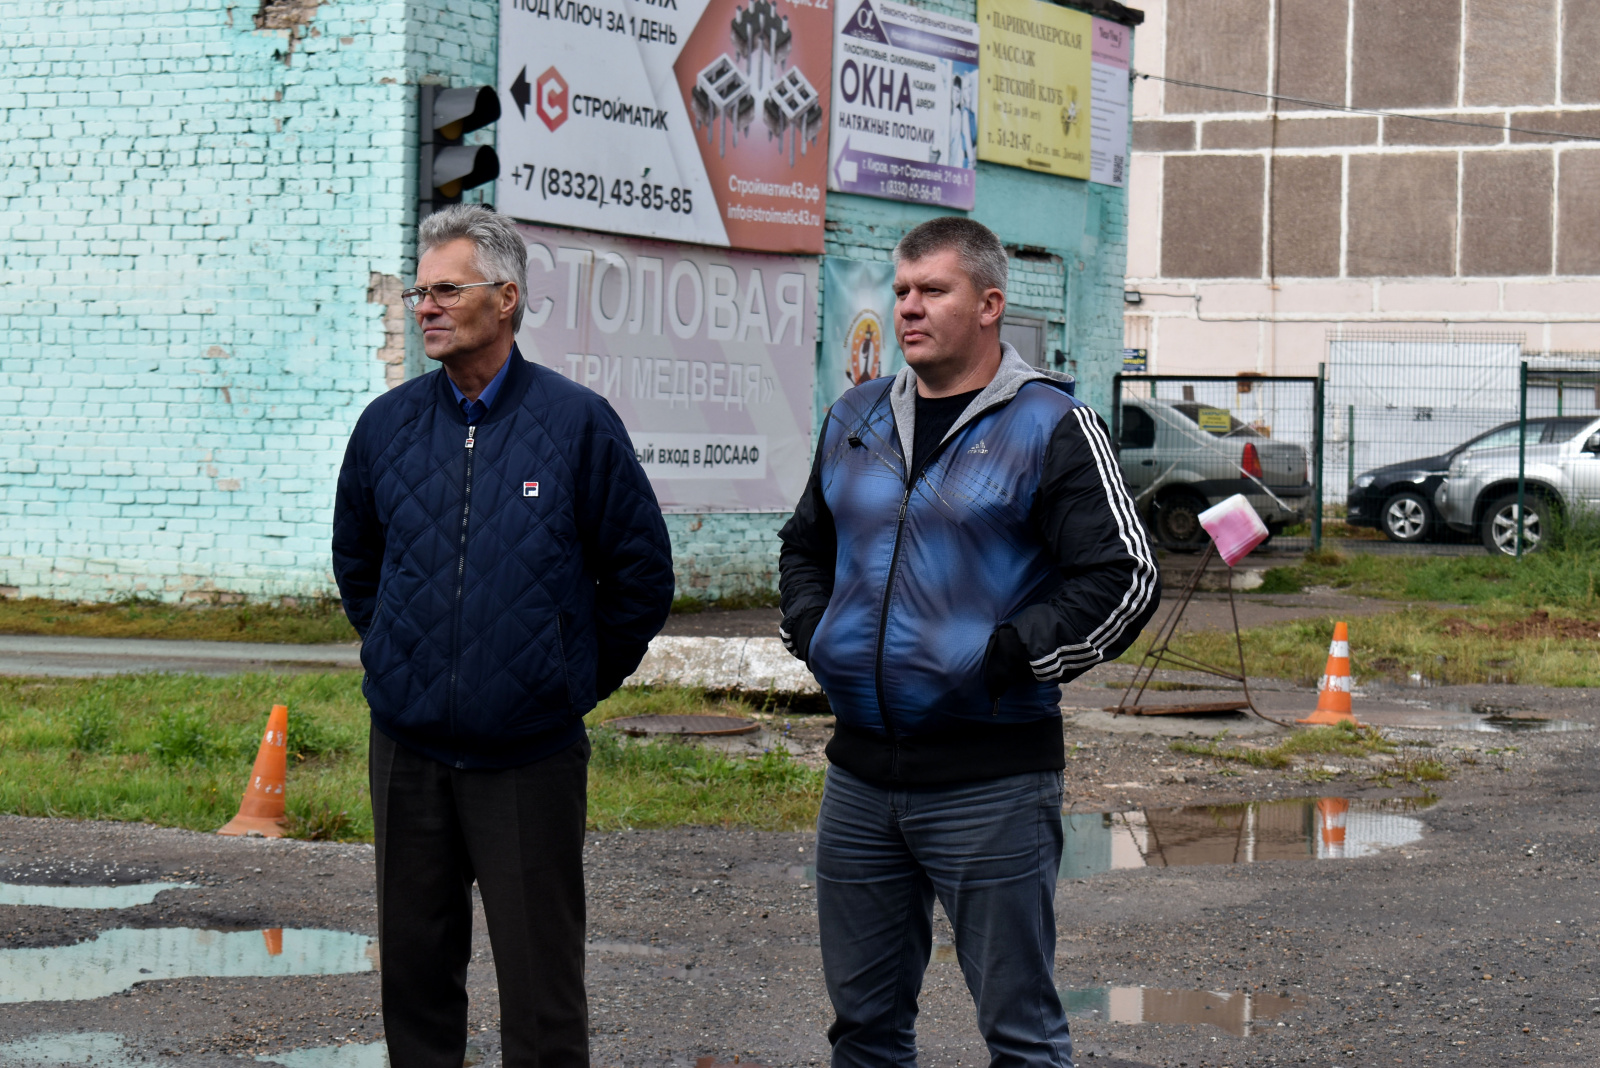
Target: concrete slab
[{"x": 723, "y": 664}]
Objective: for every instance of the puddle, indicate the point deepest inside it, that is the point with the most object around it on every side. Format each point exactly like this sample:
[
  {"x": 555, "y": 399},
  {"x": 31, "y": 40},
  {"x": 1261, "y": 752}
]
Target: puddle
[
  {"x": 1530, "y": 723},
  {"x": 1456, "y": 717},
  {"x": 86, "y": 897},
  {"x": 1236, "y": 1013},
  {"x": 118, "y": 959},
  {"x": 103, "y": 1049},
  {"x": 626, "y": 949},
  {"x": 1328, "y": 828},
  {"x": 354, "y": 1055}
]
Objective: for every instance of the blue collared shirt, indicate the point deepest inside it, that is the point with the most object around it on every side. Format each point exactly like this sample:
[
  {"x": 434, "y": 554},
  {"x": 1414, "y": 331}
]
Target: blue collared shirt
[{"x": 476, "y": 410}]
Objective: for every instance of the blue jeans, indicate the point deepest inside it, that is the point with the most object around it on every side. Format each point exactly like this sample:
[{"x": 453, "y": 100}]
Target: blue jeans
[{"x": 990, "y": 850}]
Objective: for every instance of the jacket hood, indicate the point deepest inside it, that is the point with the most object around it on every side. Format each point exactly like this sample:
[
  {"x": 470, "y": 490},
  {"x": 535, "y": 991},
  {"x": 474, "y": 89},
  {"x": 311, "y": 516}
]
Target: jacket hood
[{"x": 1014, "y": 373}]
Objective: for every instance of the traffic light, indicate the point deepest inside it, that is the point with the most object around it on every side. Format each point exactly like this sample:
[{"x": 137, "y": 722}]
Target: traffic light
[{"x": 445, "y": 166}]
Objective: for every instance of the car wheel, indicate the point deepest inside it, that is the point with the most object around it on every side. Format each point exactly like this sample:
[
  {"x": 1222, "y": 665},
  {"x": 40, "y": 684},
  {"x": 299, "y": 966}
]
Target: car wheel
[
  {"x": 1178, "y": 522},
  {"x": 1500, "y": 524},
  {"x": 1406, "y": 518}
]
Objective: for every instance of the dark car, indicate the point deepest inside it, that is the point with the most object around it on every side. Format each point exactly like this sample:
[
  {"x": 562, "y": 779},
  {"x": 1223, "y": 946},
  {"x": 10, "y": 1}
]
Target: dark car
[{"x": 1398, "y": 499}]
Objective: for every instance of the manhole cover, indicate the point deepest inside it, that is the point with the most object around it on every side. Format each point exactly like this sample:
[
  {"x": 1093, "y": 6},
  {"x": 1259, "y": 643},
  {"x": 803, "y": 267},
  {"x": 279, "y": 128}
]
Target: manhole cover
[{"x": 637, "y": 725}]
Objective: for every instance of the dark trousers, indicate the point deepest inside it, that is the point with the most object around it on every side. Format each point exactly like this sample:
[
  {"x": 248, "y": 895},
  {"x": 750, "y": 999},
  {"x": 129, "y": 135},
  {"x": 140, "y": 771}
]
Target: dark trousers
[
  {"x": 519, "y": 833},
  {"x": 989, "y": 850}
]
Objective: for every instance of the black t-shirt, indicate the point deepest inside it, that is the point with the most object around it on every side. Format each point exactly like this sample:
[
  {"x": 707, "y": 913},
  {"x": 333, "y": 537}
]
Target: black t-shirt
[{"x": 935, "y": 417}]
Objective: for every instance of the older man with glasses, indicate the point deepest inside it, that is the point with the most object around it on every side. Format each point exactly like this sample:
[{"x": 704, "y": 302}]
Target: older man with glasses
[{"x": 491, "y": 523}]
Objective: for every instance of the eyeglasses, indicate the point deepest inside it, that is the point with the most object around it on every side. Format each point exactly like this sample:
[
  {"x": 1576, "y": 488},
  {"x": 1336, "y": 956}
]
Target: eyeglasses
[{"x": 444, "y": 294}]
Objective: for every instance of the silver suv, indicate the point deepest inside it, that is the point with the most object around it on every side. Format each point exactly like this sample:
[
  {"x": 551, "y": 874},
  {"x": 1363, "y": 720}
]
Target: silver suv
[
  {"x": 1181, "y": 458},
  {"x": 1480, "y": 491}
]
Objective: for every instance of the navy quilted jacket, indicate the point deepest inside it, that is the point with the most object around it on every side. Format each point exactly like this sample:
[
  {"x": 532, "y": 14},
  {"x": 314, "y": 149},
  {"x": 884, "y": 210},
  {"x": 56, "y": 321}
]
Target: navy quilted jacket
[{"x": 503, "y": 577}]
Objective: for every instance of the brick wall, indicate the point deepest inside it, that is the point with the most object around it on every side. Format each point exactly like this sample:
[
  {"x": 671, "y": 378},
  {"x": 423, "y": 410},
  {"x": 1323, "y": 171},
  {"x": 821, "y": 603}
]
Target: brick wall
[{"x": 204, "y": 213}]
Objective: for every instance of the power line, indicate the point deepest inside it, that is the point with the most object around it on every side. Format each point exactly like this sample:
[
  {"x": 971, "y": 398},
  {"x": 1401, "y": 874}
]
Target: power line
[{"x": 1324, "y": 106}]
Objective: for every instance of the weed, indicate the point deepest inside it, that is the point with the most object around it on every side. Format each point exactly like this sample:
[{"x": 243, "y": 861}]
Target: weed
[
  {"x": 1280, "y": 580},
  {"x": 1343, "y": 739},
  {"x": 186, "y": 736},
  {"x": 733, "y": 602},
  {"x": 1260, "y": 758},
  {"x": 311, "y": 735},
  {"x": 317, "y": 823},
  {"x": 94, "y": 724},
  {"x": 295, "y": 620}
]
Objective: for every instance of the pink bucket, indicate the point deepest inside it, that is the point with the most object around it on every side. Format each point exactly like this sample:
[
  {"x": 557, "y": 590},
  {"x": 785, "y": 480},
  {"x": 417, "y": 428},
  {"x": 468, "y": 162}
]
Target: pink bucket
[{"x": 1235, "y": 527}]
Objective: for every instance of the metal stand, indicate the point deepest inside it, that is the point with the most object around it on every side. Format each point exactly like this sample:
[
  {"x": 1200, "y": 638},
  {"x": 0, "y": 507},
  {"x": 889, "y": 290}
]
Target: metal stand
[{"x": 1161, "y": 651}]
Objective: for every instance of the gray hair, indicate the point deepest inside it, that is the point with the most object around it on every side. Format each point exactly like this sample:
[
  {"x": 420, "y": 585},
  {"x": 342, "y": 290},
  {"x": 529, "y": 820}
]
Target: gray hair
[
  {"x": 500, "y": 257},
  {"x": 982, "y": 255}
]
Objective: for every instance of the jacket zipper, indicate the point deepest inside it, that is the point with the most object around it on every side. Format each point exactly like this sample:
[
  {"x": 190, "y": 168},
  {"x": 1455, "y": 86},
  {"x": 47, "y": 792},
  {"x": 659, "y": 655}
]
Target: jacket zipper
[
  {"x": 888, "y": 589},
  {"x": 461, "y": 572}
]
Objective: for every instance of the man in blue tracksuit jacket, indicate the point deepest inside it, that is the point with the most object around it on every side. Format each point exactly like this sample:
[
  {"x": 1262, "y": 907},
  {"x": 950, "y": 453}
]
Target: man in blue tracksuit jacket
[
  {"x": 501, "y": 554},
  {"x": 965, "y": 544}
]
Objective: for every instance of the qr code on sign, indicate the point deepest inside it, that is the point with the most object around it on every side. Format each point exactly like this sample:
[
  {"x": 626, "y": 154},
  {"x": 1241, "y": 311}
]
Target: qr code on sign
[{"x": 1116, "y": 169}]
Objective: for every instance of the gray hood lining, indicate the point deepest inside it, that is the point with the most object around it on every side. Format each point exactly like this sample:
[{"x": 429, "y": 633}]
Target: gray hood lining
[{"x": 1014, "y": 373}]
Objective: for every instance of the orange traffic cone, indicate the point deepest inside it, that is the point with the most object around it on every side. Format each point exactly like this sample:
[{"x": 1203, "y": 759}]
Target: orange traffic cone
[
  {"x": 261, "y": 811},
  {"x": 1333, "y": 695}
]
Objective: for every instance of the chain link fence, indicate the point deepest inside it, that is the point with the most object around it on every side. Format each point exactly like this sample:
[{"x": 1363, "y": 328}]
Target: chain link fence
[
  {"x": 1404, "y": 408},
  {"x": 1186, "y": 442}
]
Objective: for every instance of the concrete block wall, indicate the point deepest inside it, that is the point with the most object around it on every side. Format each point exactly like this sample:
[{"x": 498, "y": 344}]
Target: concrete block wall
[{"x": 204, "y": 221}]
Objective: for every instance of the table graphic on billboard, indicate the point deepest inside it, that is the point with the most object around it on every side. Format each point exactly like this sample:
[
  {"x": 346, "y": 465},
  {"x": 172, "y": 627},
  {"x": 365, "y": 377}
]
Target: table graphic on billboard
[
  {"x": 905, "y": 99},
  {"x": 1034, "y": 66},
  {"x": 688, "y": 120},
  {"x": 1108, "y": 103},
  {"x": 858, "y": 342},
  {"x": 708, "y": 355}
]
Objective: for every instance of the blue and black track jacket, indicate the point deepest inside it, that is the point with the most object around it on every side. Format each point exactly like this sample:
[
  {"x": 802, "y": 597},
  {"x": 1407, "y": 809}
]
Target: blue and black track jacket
[
  {"x": 941, "y": 615},
  {"x": 503, "y": 577}
]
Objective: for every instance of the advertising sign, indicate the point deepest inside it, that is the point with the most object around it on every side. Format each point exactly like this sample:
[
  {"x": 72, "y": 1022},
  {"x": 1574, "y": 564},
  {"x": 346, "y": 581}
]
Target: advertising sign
[
  {"x": 905, "y": 104},
  {"x": 707, "y": 355},
  {"x": 858, "y": 342},
  {"x": 690, "y": 120},
  {"x": 1034, "y": 67},
  {"x": 1108, "y": 106}
]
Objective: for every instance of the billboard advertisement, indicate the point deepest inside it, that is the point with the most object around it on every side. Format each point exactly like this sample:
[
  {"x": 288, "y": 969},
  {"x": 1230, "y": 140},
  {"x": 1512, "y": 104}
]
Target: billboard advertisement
[
  {"x": 1035, "y": 69},
  {"x": 905, "y": 104},
  {"x": 699, "y": 120},
  {"x": 858, "y": 341},
  {"x": 708, "y": 355},
  {"x": 1108, "y": 103}
]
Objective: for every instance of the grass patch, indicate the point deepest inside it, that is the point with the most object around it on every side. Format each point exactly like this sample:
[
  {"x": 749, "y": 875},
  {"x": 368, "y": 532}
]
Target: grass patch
[
  {"x": 687, "y": 605},
  {"x": 175, "y": 750},
  {"x": 1339, "y": 740},
  {"x": 306, "y": 620},
  {"x": 1503, "y": 644},
  {"x": 1563, "y": 574}
]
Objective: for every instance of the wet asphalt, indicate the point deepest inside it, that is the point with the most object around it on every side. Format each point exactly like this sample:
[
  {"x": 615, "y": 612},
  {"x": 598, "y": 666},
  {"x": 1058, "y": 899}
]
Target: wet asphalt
[{"x": 1474, "y": 944}]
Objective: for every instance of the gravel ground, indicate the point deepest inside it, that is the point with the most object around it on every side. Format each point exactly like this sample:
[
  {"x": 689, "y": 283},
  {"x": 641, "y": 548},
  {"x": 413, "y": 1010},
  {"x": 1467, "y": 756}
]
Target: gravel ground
[{"x": 1472, "y": 946}]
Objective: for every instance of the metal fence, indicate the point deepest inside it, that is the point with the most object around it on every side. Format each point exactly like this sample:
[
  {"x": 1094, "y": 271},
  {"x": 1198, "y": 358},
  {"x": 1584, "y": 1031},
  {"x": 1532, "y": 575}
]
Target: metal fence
[
  {"x": 1394, "y": 398},
  {"x": 1557, "y": 461},
  {"x": 1186, "y": 442},
  {"x": 1403, "y": 407}
]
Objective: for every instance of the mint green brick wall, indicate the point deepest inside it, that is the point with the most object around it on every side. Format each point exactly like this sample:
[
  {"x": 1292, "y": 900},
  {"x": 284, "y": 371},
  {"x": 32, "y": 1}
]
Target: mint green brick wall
[{"x": 203, "y": 225}]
